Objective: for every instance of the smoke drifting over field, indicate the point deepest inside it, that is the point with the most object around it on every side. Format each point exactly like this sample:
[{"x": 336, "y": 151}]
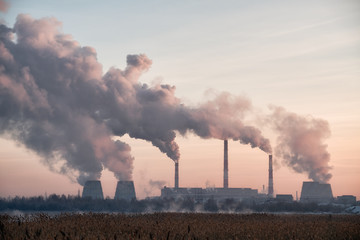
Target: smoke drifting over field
[
  {"x": 300, "y": 143},
  {"x": 56, "y": 101},
  {"x": 3, "y": 6}
]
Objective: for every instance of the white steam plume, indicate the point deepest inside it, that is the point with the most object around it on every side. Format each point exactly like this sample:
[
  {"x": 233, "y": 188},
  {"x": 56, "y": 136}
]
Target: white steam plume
[
  {"x": 56, "y": 101},
  {"x": 301, "y": 143}
]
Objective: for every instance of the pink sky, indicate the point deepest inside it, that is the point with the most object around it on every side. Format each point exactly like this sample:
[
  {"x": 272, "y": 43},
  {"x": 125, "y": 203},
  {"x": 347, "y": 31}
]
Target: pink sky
[
  {"x": 201, "y": 165},
  {"x": 303, "y": 57}
]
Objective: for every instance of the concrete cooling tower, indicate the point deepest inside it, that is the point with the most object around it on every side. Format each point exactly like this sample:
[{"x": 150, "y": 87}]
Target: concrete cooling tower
[
  {"x": 316, "y": 192},
  {"x": 93, "y": 190},
  {"x": 125, "y": 190}
]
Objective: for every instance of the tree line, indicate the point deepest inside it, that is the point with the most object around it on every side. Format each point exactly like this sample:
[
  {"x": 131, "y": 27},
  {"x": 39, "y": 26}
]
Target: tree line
[{"x": 75, "y": 203}]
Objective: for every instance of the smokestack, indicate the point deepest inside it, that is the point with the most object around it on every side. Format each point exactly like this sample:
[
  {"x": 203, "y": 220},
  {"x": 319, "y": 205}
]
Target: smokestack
[
  {"x": 226, "y": 170},
  {"x": 176, "y": 174},
  {"x": 271, "y": 181}
]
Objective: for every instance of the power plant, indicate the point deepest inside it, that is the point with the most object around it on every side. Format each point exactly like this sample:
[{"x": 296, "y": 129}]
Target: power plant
[
  {"x": 311, "y": 191},
  {"x": 216, "y": 193}
]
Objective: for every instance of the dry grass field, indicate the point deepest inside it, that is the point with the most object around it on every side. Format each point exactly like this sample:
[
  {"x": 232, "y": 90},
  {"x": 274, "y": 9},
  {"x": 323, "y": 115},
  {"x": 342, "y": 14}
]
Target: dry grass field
[{"x": 180, "y": 226}]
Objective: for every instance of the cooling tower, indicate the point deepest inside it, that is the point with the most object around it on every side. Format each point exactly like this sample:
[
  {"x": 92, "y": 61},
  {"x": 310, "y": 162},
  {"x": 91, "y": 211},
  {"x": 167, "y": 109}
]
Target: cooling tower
[
  {"x": 226, "y": 169},
  {"x": 316, "y": 192},
  {"x": 271, "y": 180},
  {"x": 176, "y": 174},
  {"x": 125, "y": 190},
  {"x": 93, "y": 190}
]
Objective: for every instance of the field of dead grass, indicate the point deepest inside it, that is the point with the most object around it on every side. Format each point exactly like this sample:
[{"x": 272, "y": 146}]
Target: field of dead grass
[{"x": 180, "y": 226}]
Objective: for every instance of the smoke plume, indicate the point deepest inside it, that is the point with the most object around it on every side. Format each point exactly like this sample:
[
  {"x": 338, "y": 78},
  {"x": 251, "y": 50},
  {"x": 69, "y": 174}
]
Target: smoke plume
[
  {"x": 153, "y": 186},
  {"x": 3, "y": 6},
  {"x": 49, "y": 88},
  {"x": 56, "y": 101},
  {"x": 158, "y": 184},
  {"x": 300, "y": 143}
]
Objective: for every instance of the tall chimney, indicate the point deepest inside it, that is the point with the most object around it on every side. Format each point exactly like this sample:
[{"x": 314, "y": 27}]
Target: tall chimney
[
  {"x": 271, "y": 181},
  {"x": 226, "y": 170},
  {"x": 176, "y": 174}
]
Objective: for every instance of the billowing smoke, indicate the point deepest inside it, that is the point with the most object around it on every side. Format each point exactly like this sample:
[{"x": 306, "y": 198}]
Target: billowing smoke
[
  {"x": 56, "y": 101},
  {"x": 158, "y": 184},
  {"x": 153, "y": 186},
  {"x": 300, "y": 143},
  {"x": 3, "y": 6},
  {"x": 221, "y": 118},
  {"x": 50, "y": 87}
]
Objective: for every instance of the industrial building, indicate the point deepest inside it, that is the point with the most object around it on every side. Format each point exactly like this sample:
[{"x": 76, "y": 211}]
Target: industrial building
[
  {"x": 217, "y": 193},
  {"x": 346, "y": 199},
  {"x": 201, "y": 194},
  {"x": 311, "y": 191},
  {"x": 316, "y": 192},
  {"x": 93, "y": 190},
  {"x": 284, "y": 198}
]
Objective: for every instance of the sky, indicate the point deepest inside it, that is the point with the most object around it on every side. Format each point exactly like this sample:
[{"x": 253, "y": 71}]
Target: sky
[{"x": 303, "y": 56}]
